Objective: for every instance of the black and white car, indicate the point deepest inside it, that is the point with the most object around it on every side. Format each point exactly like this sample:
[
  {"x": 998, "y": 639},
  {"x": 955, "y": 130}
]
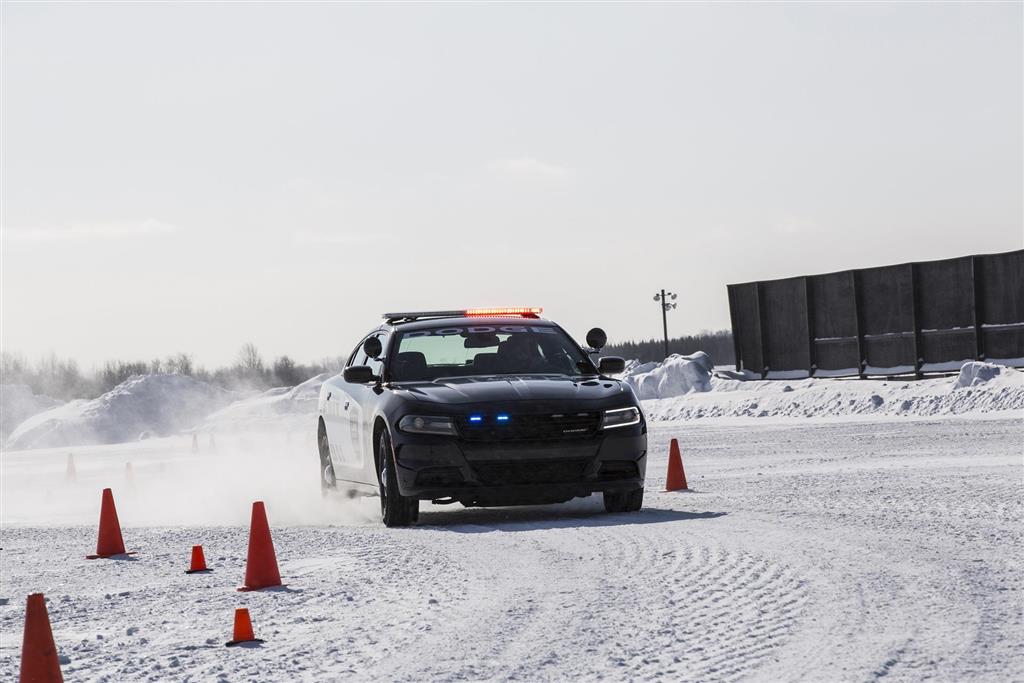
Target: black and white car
[{"x": 482, "y": 407}]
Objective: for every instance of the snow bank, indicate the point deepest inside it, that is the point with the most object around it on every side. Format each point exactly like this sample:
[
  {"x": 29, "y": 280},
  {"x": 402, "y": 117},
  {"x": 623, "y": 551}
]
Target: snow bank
[
  {"x": 276, "y": 409},
  {"x": 17, "y": 403},
  {"x": 976, "y": 374},
  {"x": 155, "y": 404},
  {"x": 676, "y": 376},
  {"x": 979, "y": 388}
]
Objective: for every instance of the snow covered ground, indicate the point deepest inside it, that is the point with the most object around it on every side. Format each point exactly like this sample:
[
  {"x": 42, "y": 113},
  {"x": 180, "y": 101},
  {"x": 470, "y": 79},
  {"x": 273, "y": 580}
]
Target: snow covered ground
[
  {"x": 851, "y": 550},
  {"x": 979, "y": 387}
]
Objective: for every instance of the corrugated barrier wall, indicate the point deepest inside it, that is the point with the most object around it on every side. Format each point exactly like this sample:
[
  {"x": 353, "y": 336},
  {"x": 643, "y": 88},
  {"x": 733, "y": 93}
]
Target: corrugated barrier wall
[{"x": 905, "y": 319}]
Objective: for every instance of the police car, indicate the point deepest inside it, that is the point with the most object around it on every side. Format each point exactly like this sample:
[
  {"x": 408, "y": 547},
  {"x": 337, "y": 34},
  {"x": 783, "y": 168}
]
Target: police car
[{"x": 484, "y": 407}]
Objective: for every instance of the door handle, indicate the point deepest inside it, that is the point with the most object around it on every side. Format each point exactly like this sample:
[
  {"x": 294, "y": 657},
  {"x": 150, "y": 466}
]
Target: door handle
[{"x": 328, "y": 396}]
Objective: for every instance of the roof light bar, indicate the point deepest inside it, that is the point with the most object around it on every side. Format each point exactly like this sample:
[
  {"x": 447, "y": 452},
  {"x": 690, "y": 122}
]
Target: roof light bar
[
  {"x": 514, "y": 312},
  {"x": 522, "y": 311}
]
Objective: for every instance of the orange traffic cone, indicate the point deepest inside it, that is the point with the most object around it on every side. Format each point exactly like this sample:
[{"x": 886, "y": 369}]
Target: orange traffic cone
[
  {"x": 261, "y": 563},
  {"x": 243, "y": 629},
  {"x": 71, "y": 474},
  {"x": 676, "y": 479},
  {"x": 109, "y": 542},
  {"x": 38, "y": 652},
  {"x": 198, "y": 561}
]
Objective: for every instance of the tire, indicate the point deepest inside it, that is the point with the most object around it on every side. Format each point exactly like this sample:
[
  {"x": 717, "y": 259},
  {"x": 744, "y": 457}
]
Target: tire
[
  {"x": 395, "y": 509},
  {"x": 624, "y": 501},
  {"x": 328, "y": 482}
]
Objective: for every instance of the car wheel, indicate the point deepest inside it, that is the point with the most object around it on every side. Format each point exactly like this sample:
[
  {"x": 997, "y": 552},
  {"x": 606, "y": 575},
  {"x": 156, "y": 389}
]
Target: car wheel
[
  {"x": 328, "y": 482},
  {"x": 395, "y": 509},
  {"x": 624, "y": 501}
]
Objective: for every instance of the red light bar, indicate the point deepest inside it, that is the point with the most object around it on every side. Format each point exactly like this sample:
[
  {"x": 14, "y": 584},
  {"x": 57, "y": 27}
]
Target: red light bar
[{"x": 519, "y": 312}]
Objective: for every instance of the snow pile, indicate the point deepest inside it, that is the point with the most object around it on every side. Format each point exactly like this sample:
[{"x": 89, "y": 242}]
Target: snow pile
[
  {"x": 282, "y": 408},
  {"x": 676, "y": 376},
  {"x": 976, "y": 374},
  {"x": 17, "y": 403},
  {"x": 155, "y": 404},
  {"x": 979, "y": 388}
]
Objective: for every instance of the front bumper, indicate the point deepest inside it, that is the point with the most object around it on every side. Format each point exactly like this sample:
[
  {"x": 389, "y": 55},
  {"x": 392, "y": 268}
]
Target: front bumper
[{"x": 510, "y": 473}]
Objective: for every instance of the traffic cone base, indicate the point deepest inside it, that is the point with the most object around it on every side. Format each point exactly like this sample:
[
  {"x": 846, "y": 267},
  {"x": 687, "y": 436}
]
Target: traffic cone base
[
  {"x": 232, "y": 643},
  {"x": 107, "y": 557},
  {"x": 675, "y": 479},
  {"x": 38, "y": 652},
  {"x": 249, "y": 589}
]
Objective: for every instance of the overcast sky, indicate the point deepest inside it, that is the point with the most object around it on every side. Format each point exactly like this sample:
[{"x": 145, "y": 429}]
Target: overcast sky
[{"x": 193, "y": 177}]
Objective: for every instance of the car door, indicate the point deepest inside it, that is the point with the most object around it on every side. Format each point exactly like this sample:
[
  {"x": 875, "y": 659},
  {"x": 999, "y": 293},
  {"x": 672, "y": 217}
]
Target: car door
[{"x": 359, "y": 411}]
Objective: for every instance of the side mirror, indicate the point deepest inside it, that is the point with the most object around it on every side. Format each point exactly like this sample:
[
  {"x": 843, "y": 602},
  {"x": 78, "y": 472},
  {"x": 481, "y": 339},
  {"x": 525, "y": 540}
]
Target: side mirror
[
  {"x": 611, "y": 365},
  {"x": 596, "y": 338},
  {"x": 372, "y": 347},
  {"x": 359, "y": 374}
]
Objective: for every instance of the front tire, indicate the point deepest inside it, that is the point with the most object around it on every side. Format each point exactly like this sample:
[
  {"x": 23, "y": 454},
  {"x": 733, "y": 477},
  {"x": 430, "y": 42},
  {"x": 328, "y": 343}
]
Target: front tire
[
  {"x": 395, "y": 509},
  {"x": 624, "y": 501},
  {"x": 328, "y": 482}
]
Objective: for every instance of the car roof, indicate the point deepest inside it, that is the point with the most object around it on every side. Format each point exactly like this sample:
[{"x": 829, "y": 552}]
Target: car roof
[{"x": 473, "y": 321}]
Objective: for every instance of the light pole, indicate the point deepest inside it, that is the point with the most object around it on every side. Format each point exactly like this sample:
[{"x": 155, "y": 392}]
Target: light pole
[{"x": 666, "y": 299}]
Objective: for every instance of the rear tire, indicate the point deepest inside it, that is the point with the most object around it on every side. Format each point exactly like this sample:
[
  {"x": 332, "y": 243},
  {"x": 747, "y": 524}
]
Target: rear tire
[
  {"x": 395, "y": 509},
  {"x": 624, "y": 501}
]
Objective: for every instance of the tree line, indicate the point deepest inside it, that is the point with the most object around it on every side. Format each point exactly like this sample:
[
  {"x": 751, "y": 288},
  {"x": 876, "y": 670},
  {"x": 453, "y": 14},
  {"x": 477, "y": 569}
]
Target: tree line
[
  {"x": 62, "y": 378},
  {"x": 717, "y": 344}
]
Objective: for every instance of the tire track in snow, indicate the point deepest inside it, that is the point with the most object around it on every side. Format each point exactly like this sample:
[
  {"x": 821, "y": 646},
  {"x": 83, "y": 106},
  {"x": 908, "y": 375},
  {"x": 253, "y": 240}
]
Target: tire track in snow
[{"x": 658, "y": 604}]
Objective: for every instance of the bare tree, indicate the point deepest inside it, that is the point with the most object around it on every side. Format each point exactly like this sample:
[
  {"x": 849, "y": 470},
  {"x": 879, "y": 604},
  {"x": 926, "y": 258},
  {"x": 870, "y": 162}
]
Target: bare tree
[
  {"x": 249, "y": 358},
  {"x": 286, "y": 372},
  {"x": 180, "y": 363}
]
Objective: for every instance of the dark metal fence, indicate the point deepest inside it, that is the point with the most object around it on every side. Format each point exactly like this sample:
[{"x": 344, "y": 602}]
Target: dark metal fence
[{"x": 905, "y": 319}]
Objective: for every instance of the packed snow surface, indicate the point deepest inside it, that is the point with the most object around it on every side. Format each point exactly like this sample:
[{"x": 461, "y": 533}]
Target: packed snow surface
[
  {"x": 142, "y": 405},
  {"x": 818, "y": 551},
  {"x": 17, "y": 402}
]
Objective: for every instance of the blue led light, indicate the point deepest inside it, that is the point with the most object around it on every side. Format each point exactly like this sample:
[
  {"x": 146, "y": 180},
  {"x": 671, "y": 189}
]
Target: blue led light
[
  {"x": 476, "y": 418},
  {"x": 502, "y": 418}
]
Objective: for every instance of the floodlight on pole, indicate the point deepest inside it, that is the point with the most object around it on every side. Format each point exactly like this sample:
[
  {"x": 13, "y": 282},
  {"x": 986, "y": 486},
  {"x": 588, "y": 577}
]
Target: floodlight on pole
[{"x": 666, "y": 299}]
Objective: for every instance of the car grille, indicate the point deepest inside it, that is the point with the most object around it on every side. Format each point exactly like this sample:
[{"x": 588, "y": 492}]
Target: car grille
[
  {"x": 553, "y": 427},
  {"x": 512, "y": 472}
]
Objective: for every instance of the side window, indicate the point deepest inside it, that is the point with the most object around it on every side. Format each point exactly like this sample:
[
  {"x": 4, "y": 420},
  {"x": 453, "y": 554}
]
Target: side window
[{"x": 356, "y": 353}]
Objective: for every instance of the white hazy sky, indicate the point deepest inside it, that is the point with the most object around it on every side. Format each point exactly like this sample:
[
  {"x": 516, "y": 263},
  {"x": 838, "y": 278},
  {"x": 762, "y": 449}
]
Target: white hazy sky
[{"x": 189, "y": 177}]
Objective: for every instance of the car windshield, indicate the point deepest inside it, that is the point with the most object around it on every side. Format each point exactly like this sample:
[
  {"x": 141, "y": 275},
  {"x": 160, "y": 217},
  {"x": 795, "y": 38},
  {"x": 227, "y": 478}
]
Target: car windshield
[{"x": 479, "y": 350}]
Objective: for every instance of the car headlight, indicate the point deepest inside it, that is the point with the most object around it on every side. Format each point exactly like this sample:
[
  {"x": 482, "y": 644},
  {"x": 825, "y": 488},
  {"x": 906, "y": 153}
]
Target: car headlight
[
  {"x": 620, "y": 417},
  {"x": 423, "y": 424}
]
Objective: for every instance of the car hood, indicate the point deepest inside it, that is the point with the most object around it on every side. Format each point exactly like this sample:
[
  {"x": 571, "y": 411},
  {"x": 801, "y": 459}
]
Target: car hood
[{"x": 499, "y": 389}]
